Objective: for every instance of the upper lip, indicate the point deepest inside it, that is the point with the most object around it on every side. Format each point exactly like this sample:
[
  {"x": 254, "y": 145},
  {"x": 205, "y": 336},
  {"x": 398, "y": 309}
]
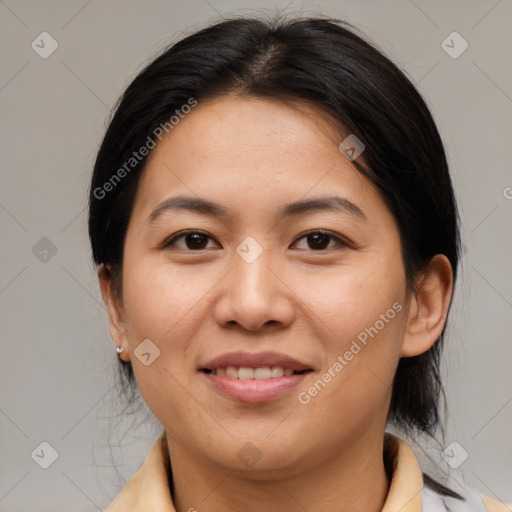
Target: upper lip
[{"x": 256, "y": 360}]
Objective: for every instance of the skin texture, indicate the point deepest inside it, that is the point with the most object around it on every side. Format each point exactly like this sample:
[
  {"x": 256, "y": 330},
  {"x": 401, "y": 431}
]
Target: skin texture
[{"x": 252, "y": 156}]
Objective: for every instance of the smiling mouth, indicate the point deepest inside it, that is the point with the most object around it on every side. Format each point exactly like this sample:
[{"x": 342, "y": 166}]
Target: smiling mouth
[{"x": 259, "y": 373}]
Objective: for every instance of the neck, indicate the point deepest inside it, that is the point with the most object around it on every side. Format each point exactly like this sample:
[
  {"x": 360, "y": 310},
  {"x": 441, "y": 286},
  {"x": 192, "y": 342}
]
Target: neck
[{"x": 353, "y": 479}]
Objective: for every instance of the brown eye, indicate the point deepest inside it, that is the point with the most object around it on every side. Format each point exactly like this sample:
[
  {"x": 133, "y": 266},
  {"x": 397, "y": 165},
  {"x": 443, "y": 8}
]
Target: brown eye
[
  {"x": 318, "y": 241},
  {"x": 191, "y": 240}
]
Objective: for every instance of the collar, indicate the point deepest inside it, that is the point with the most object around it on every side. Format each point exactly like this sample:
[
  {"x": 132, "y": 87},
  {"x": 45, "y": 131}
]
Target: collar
[{"x": 148, "y": 489}]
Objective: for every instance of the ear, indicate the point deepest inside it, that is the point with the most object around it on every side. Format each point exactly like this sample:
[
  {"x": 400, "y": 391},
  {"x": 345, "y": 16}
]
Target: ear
[
  {"x": 115, "y": 311},
  {"x": 428, "y": 307}
]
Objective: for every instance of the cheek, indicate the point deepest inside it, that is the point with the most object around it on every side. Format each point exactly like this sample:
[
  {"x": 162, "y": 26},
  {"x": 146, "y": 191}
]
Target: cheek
[
  {"x": 161, "y": 305},
  {"x": 346, "y": 301},
  {"x": 161, "y": 299},
  {"x": 359, "y": 314},
  {"x": 353, "y": 389}
]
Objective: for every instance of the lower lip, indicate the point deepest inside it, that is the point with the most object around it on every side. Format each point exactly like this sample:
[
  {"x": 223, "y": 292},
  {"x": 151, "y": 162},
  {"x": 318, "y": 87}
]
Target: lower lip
[{"x": 254, "y": 390}]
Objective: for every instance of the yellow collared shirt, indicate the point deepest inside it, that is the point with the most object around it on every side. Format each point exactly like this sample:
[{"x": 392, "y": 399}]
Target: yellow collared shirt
[{"x": 148, "y": 490}]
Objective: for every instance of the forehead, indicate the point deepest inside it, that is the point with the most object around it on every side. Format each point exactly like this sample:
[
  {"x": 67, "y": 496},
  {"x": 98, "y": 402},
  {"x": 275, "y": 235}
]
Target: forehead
[
  {"x": 248, "y": 150},
  {"x": 238, "y": 126}
]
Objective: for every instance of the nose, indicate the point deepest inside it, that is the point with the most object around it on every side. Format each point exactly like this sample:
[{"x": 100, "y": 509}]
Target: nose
[{"x": 254, "y": 297}]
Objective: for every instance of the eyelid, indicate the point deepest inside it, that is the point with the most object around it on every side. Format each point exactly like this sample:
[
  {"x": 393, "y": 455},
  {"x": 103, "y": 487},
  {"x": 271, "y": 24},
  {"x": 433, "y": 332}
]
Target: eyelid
[
  {"x": 180, "y": 234},
  {"x": 340, "y": 240},
  {"x": 170, "y": 240}
]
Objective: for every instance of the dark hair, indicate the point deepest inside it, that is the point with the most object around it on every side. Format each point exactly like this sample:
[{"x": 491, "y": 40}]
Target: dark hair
[{"x": 325, "y": 63}]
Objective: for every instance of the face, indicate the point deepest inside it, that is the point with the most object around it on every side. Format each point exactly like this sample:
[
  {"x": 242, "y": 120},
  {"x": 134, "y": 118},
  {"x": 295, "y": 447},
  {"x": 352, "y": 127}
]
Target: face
[{"x": 264, "y": 293}]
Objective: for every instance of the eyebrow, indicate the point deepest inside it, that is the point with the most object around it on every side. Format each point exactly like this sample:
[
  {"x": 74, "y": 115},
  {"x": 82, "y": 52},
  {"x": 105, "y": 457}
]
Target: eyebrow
[{"x": 205, "y": 207}]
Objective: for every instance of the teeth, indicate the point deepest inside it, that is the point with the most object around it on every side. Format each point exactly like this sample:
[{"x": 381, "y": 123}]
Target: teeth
[
  {"x": 244, "y": 373},
  {"x": 262, "y": 373},
  {"x": 276, "y": 372},
  {"x": 232, "y": 372}
]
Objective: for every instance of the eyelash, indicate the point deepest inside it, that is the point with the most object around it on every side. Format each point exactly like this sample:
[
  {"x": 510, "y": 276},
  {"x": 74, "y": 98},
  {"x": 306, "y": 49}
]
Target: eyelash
[{"x": 341, "y": 243}]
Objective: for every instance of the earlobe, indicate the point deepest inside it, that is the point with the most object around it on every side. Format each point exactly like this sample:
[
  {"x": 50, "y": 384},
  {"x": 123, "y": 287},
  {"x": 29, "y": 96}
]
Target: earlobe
[
  {"x": 115, "y": 311},
  {"x": 429, "y": 307}
]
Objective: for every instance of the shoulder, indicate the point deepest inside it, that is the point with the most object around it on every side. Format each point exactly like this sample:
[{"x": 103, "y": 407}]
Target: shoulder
[
  {"x": 495, "y": 506},
  {"x": 473, "y": 502}
]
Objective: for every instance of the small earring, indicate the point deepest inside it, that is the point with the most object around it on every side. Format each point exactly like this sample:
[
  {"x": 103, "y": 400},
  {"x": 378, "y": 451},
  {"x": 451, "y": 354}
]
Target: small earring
[
  {"x": 419, "y": 315},
  {"x": 120, "y": 350}
]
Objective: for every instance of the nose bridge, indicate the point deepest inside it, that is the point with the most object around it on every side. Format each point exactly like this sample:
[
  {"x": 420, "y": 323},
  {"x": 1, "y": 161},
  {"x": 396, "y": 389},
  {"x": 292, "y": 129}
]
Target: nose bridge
[
  {"x": 252, "y": 284},
  {"x": 250, "y": 261},
  {"x": 254, "y": 296}
]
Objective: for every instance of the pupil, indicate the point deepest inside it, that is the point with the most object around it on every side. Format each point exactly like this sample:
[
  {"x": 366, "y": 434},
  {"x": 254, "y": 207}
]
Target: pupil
[
  {"x": 318, "y": 241},
  {"x": 196, "y": 241}
]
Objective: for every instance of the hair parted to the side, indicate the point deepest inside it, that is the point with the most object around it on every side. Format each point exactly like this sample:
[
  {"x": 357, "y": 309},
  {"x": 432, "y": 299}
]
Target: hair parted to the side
[{"x": 323, "y": 62}]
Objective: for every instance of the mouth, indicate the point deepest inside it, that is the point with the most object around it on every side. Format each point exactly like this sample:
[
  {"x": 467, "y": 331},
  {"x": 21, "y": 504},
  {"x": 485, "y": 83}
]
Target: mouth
[
  {"x": 254, "y": 378},
  {"x": 248, "y": 373}
]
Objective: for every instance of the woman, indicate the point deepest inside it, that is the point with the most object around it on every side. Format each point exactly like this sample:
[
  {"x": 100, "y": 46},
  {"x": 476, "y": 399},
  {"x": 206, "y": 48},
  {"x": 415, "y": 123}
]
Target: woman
[{"x": 277, "y": 244}]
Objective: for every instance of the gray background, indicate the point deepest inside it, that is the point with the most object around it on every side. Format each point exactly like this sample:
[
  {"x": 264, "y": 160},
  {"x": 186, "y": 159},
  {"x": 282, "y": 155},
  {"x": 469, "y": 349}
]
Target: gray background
[{"x": 57, "y": 366}]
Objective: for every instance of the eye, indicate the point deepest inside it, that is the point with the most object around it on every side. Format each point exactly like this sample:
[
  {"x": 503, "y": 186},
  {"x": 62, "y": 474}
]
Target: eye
[
  {"x": 198, "y": 240},
  {"x": 318, "y": 241},
  {"x": 190, "y": 240}
]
